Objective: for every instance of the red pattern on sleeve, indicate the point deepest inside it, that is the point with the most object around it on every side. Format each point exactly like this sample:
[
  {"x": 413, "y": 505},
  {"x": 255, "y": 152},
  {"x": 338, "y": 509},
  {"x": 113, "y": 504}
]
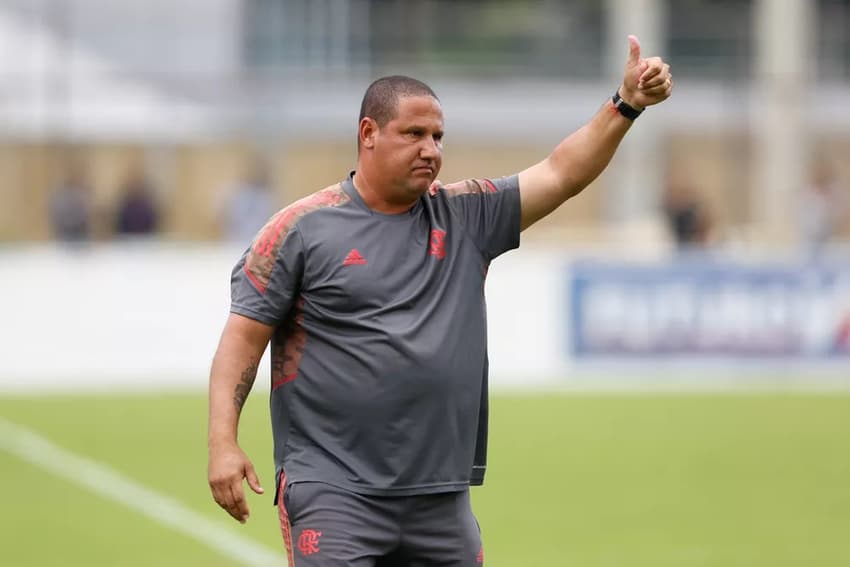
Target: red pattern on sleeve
[{"x": 264, "y": 250}]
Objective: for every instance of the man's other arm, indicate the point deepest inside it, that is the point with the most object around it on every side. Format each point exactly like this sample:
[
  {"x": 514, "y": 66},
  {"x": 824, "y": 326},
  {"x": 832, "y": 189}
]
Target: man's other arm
[
  {"x": 234, "y": 369},
  {"x": 585, "y": 153}
]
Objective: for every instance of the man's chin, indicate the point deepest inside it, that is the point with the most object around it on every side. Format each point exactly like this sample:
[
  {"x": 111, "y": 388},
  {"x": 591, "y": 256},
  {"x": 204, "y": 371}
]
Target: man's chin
[{"x": 420, "y": 184}]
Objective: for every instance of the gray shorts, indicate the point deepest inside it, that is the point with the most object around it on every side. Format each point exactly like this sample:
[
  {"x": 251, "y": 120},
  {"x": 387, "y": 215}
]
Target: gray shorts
[{"x": 326, "y": 526}]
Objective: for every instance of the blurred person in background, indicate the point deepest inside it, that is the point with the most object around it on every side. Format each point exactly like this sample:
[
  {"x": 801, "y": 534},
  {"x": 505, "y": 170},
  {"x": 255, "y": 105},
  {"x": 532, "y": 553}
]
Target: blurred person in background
[
  {"x": 371, "y": 294},
  {"x": 823, "y": 209},
  {"x": 137, "y": 213},
  {"x": 249, "y": 205},
  {"x": 71, "y": 207},
  {"x": 687, "y": 216}
]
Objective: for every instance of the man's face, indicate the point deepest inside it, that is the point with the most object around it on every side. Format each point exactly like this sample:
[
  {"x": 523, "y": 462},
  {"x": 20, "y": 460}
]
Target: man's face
[{"x": 409, "y": 148}]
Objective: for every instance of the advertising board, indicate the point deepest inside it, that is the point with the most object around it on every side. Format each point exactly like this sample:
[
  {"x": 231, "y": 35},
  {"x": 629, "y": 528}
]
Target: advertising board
[{"x": 709, "y": 308}]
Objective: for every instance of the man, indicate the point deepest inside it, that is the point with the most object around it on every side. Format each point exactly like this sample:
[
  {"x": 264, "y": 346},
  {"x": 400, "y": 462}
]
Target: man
[
  {"x": 71, "y": 208},
  {"x": 371, "y": 294}
]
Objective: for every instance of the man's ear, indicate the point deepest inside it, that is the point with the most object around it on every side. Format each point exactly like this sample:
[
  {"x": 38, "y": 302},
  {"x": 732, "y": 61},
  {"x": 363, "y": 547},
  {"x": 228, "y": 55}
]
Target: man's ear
[{"x": 368, "y": 131}]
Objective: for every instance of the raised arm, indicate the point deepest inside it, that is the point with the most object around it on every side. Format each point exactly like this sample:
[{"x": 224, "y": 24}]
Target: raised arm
[
  {"x": 233, "y": 372},
  {"x": 582, "y": 155}
]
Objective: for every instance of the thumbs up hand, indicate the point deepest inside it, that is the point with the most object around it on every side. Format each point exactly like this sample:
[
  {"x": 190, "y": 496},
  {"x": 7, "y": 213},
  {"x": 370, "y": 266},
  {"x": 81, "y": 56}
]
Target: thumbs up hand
[{"x": 645, "y": 81}]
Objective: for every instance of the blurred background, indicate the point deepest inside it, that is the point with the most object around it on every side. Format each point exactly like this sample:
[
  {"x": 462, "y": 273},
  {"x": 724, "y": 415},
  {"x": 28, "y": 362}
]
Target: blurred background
[
  {"x": 194, "y": 102},
  {"x": 153, "y": 138},
  {"x": 143, "y": 144}
]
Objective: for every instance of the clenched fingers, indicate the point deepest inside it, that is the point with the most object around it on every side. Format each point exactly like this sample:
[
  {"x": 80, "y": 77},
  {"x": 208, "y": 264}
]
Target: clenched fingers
[
  {"x": 659, "y": 90},
  {"x": 657, "y": 80},
  {"x": 654, "y": 67}
]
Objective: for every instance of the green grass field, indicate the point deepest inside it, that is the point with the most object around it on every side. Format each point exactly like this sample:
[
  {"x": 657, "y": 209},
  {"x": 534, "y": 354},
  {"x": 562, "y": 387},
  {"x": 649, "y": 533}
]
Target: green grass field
[{"x": 574, "y": 480}]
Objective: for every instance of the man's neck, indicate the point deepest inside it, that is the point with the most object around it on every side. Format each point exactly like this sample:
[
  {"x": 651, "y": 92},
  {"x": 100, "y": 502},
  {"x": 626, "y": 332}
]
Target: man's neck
[{"x": 373, "y": 196}]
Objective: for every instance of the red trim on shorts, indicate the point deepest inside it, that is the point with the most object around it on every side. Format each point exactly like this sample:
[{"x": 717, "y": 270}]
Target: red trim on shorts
[
  {"x": 284, "y": 380},
  {"x": 283, "y": 515}
]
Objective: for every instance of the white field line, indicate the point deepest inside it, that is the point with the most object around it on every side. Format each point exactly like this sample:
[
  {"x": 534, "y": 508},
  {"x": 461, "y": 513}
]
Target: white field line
[{"x": 108, "y": 483}]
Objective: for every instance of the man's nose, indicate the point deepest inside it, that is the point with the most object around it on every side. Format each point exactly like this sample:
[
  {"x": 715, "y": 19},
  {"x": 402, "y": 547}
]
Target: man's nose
[{"x": 430, "y": 149}]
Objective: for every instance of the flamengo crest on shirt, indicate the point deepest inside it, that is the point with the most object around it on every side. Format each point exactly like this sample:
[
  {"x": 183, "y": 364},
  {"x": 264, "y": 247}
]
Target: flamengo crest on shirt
[
  {"x": 438, "y": 243},
  {"x": 354, "y": 257}
]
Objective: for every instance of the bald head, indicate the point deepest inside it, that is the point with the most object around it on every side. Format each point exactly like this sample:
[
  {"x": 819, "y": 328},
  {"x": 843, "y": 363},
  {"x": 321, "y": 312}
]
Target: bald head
[{"x": 380, "y": 102}]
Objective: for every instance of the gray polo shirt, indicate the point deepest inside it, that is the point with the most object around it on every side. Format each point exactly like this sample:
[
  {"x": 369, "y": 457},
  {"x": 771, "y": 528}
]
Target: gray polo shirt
[{"x": 379, "y": 355}]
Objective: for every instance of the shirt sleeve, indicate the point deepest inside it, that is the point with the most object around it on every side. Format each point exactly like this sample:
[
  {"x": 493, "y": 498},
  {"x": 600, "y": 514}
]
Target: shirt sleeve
[
  {"x": 267, "y": 278},
  {"x": 490, "y": 212}
]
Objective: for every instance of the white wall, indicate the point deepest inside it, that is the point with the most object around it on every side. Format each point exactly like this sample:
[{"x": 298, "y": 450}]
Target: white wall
[
  {"x": 138, "y": 316},
  {"x": 148, "y": 316}
]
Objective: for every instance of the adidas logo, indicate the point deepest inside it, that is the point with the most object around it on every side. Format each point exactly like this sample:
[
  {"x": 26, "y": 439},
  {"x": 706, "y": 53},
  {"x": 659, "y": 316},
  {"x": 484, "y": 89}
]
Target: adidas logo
[{"x": 354, "y": 257}]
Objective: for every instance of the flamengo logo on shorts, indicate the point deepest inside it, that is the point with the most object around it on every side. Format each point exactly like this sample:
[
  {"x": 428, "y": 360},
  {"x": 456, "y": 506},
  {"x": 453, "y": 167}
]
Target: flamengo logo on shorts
[{"x": 308, "y": 542}]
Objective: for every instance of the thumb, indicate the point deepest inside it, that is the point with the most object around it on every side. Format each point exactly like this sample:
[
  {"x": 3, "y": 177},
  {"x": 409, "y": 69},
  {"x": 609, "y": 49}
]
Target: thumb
[
  {"x": 253, "y": 480},
  {"x": 634, "y": 50}
]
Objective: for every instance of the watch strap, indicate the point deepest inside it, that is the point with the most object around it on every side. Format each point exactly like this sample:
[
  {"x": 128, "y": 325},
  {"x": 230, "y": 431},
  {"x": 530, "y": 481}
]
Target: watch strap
[{"x": 623, "y": 107}]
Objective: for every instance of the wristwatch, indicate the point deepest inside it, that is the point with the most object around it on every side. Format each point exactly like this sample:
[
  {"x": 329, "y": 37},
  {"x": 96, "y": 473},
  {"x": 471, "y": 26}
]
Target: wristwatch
[{"x": 623, "y": 107}]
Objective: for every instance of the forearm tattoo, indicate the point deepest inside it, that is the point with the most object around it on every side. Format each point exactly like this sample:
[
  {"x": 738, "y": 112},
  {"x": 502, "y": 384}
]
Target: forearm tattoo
[{"x": 243, "y": 388}]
